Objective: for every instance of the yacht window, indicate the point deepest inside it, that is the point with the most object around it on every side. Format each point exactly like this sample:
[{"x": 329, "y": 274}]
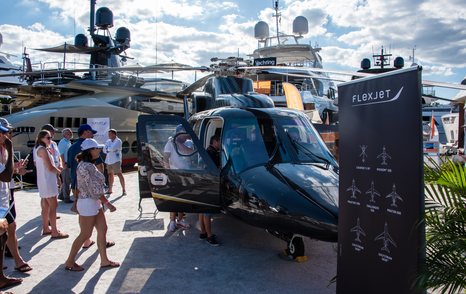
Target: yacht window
[
  {"x": 76, "y": 122},
  {"x": 125, "y": 147},
  {"x": 59, "y": 123},
  {"x": 69, "y": 122},
  {"x": 134, "y": 147}
]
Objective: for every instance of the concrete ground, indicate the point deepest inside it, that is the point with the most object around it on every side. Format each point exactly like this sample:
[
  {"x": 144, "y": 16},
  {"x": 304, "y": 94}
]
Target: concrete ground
[{"x": 154, "y": 261}]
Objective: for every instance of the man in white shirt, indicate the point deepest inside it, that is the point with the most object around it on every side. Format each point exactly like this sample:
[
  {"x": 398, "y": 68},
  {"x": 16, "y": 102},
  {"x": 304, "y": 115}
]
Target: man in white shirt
[
  {"x": 63, "y": 146},
  {"x": 113, "y": 160}
]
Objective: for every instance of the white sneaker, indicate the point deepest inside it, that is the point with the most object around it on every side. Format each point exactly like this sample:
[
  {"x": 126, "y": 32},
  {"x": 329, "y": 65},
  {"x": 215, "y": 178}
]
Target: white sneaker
[
  {"x": 172, "y": 226},
  {"x": 182, "y": 224}
]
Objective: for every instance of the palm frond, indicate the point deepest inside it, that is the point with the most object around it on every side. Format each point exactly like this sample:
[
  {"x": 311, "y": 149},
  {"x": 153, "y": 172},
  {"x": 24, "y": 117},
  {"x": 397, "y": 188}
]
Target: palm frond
[{"x": 445, "y": 220}]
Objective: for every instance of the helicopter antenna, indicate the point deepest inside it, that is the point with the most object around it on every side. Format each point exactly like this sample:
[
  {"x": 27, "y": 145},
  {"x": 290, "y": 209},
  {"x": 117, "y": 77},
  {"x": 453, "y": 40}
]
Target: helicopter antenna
[{"x": 277, "y": 16}]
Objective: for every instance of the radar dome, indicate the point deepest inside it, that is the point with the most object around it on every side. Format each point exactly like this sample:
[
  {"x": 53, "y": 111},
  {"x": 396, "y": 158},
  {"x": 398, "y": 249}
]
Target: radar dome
[
  {"x": 366, "y": 63},
  {"x": 261, "y": 30},
  {"x": 300, "y": 26},
  {"x": 104, "y": 18},
  {"x": 399, "y": 62},
  {"x": 122, "y": 34},
  {"x": 80, "y": 40}
]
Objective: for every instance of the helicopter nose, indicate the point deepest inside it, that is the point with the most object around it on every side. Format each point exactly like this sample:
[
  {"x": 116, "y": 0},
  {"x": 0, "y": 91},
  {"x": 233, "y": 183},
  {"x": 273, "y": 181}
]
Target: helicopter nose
[{"x": 299, "y": 199}]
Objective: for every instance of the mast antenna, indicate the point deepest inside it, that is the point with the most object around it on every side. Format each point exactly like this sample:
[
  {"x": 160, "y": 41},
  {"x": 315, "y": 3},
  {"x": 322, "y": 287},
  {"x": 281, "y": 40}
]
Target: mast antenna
[{"x": 277, "y": 16}]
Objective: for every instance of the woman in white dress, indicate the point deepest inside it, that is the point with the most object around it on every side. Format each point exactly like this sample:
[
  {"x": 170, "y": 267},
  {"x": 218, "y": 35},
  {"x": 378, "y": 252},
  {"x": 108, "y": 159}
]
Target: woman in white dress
[{"x": 47, "y": 184}]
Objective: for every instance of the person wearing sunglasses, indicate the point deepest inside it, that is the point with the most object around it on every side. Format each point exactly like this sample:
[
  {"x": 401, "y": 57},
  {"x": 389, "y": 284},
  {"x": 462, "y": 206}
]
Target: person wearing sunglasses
[{"x": 47, "y": 177}]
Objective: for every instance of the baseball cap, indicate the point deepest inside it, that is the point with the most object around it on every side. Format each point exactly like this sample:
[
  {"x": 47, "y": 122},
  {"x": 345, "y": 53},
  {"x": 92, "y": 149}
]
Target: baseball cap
[
  {"x": 90, "y": 143},
  {"x": 49, "y": 128},
  {"x": 85, "y": 127},
  {"x": 4, "y": 123},
  {"x": 179, "y": 129},
  {"x": 3, "y": 129}
]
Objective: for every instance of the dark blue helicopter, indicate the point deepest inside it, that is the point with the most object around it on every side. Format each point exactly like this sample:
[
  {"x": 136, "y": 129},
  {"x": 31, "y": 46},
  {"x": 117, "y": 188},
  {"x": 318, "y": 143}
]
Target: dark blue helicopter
[{"x": 275, "y": 170}]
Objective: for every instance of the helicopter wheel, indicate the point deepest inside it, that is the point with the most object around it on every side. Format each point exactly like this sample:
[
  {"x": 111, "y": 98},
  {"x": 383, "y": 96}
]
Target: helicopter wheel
[{"x": 295, "y": 250}]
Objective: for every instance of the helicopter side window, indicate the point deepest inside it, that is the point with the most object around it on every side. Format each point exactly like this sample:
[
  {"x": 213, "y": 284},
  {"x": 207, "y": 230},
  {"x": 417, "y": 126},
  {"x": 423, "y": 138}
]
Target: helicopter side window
[{"x": 170, "y": 147}]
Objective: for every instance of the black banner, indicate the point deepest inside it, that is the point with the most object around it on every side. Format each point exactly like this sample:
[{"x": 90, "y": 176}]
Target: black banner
[
  {"x": 381, "y": 196},
  {"x": 269, "y": 61}
]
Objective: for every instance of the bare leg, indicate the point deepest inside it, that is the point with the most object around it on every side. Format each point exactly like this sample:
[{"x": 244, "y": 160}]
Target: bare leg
[
  {"x": 207, "y": 224},
  {"x": 3, "y": 279},
  {"x": 86, "y": 224},
  {"x": 101, "y": 227},
  {"x": 110, "y": 181},
  {"x": 201, "y": 223},
  {"x": 45, "y": 215},
  {"x": 12, "y": 244},
  {"x": 52, "y": 204},
  {"x": 122, "y": 182}
]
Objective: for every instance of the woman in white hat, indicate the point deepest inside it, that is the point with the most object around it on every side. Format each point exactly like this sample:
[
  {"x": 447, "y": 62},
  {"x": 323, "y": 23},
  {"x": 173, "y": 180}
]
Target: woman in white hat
[{"x": 90, "y": 183}]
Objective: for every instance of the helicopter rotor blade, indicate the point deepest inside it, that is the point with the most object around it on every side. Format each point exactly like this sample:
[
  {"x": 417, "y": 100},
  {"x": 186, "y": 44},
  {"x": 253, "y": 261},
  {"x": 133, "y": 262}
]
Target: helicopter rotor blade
[{"x": 194, "y": 86}]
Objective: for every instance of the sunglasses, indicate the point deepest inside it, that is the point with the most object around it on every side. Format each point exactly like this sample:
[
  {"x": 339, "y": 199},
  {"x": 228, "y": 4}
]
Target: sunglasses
[{"x": 48, "y": 138}]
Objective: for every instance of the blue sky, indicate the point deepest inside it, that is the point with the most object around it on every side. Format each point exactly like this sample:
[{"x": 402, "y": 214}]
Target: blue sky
[{"x": 193, "y": 31}]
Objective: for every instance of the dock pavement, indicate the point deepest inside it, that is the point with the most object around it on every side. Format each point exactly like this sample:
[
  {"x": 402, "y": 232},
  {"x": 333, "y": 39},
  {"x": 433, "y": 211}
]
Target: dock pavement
[{"x": 156, "y": 261}]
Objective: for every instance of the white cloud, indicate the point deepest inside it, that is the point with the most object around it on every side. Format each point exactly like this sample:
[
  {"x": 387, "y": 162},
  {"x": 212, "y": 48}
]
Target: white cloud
[{"x": 193, "y": 31}]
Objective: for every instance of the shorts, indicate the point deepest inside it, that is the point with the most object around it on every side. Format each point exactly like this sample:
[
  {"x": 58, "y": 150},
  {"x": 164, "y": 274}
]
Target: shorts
[
  {"x": 88, "y": 206},
  {"x": 114, "y": 168},
  {"x": 11, "y": 214}
]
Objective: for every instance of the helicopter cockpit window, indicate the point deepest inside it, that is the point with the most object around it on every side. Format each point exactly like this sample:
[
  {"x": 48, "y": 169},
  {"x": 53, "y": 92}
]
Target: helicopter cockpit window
[
  {"x": 171, "y": 147},
  {"x": 305, "y": 140}
]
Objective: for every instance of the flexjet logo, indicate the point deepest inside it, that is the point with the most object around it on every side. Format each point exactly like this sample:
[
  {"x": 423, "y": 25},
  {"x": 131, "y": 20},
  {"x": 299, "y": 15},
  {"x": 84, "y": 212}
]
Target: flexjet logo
[{"x": 375, "y": 97}]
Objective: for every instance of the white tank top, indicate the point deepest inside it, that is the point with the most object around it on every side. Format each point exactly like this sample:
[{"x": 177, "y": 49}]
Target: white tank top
[{"x": 46, "y": 180}]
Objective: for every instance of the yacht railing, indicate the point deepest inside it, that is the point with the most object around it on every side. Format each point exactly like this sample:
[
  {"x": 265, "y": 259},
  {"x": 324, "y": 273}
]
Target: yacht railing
[{"x": 46, "y": 70}]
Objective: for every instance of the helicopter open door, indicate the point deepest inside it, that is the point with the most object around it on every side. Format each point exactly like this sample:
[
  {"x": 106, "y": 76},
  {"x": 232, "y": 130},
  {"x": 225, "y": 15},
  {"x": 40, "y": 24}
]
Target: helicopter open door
[{"x": 180, "y": 174}]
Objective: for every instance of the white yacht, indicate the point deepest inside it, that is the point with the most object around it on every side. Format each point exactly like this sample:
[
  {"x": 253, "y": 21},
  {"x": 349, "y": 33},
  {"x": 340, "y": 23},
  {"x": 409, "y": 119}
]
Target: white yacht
[
  {"x": 317, "y": 90},
  {"x": 68, "y": 100},
  {"x": 7, "y": 67}
]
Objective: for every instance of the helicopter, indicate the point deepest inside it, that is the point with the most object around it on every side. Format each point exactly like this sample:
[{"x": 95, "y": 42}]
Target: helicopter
[{"x": 276, "y": 172}]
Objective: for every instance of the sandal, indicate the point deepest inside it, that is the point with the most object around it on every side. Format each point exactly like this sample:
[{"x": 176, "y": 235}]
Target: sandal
[
  {"x": 24, "y": 268},
  {"x": 92, "y": 243},
  {"x": 110, "y": 244},
  {"x": 111, "y": 264},
  {"x": 8, "y": 282},
  {"x": 60, "y": 235},
  {"x": 75, "y": 268}
]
